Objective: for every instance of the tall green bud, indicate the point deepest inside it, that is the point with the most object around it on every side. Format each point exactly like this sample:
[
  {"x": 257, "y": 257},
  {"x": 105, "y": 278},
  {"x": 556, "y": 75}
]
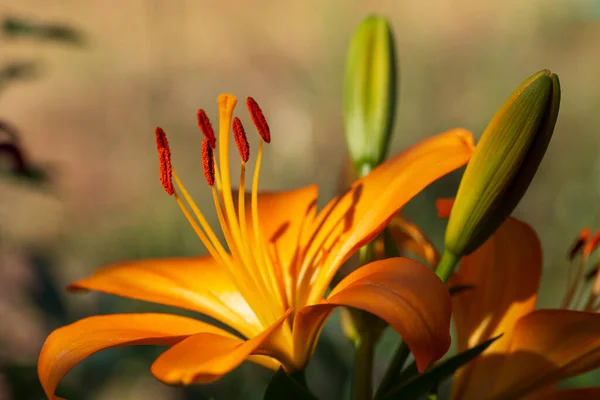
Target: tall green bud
[
  {"x": 370, "y": 93},
  {"x": 504, "y": 162}
]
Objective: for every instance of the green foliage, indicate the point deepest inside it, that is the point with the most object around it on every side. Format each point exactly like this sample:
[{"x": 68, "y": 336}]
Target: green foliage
[
  {"x": 284, "y": 386},
  {"x": 13, "y": 27},
  {"x": 413, "y": 385}
]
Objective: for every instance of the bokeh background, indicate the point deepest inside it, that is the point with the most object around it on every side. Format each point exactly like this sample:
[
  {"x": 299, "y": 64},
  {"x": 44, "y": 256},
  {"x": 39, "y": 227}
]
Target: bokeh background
[{"x": 88, "y": 100}]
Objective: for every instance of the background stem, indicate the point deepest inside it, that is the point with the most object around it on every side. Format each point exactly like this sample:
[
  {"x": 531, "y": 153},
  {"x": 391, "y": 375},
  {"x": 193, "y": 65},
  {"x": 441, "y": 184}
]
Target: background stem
[{"x": 363, "y": 367}]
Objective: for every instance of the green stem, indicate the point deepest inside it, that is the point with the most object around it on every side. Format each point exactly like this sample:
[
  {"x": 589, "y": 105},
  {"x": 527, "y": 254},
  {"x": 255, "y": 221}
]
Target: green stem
[
  {"x": 363, "y": 367},
  {"x": 446, "y": 266},
  {"x": 366, "y": 254},
  {"x": 393, "y": 370}
]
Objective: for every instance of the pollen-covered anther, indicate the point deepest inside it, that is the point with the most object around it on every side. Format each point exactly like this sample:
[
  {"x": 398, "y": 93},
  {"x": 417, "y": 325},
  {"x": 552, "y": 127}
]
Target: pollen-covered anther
[
  {"x": 208, "y": 161},
  {"x": 164, "y": 160},
  {"x": 583, "y": 237},
  {"x": 259, "y": 119},
  {"x": 206, "y": 128},
  {"x": 241, "y": 141},
  {"x": 591, "y": 245}
]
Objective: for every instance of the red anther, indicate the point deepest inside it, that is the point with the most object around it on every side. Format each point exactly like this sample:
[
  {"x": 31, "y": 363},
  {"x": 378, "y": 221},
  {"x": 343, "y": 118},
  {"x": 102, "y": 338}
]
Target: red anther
[
  {"x": 206, "y": 128},
  {"x": 579, "y": 242},
  {"x": 164, "y": 160},
  {"x": 259, "y": 119},
  {"x": 591, "y": 245},
  {"x": 240, "y": 139},
  {"x": 208, "y": 161}
]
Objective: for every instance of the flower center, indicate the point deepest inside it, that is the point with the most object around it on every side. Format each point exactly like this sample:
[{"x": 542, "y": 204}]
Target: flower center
[{"x": 244, "y": 254}]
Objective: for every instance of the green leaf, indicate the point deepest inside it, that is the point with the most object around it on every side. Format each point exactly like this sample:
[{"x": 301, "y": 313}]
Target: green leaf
[
  {"x": 17, "y": 27},
  {"x": 284, "y": 386},
  {"x": 421, "y": 384}
]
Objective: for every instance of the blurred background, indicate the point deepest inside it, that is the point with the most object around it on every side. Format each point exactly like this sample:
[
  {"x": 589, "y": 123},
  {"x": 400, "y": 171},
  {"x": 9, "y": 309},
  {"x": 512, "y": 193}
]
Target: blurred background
[{"x": 83, "y": 84}]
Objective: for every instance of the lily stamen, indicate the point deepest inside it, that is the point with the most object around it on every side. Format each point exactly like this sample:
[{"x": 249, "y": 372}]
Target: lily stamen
[
  {"x": 241, "y": 142},
  {"x": 585, "y": 247},
  {"x": 164, "y": 160},
  {"x": 275, "y": 275},
  {"x": 208, "y": 162},
  {"x": 259, "y": 119},
  {"x": 206, "y": 128},
  {"x": 167, "y": 176}
]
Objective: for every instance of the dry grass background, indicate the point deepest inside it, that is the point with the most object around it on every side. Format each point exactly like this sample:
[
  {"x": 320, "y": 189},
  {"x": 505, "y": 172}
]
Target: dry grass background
[{"x": 92, "y": 112}]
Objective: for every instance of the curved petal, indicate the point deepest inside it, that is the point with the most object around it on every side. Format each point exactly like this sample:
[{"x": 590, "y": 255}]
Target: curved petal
[
  {"x": 403, "y": 292},
  {"x": 353, "y": 219},
  {"x": 205, "y": 357},
  {"x": 505, "y": 272},
  {"x": 548, "y": 346},
  {"x": 67, "y": 346},
  {"x": 197, "y": 284}
]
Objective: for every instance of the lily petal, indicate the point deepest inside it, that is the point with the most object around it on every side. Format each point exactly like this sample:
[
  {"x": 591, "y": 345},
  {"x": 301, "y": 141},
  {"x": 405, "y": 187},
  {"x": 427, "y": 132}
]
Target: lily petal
[
  {"x": 205, "y": 357},
  {"x": 505, "y": 273},
  {"x": 353, "y": 219},
  {"x": 410, "y": 238},
  {"x": 197, "y": 284},
  {"x": 284, "y": 219},
  {"x": 67, "y": 346},
  {"x": 403, "y": 292},
  {"x": 548, "y": 346}
]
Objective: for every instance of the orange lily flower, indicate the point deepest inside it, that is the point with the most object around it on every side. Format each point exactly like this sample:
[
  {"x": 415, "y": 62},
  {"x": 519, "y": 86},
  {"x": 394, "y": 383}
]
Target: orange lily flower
[
  {"x": 539, "y": 347},
  {"x": 267, "y": 282}
]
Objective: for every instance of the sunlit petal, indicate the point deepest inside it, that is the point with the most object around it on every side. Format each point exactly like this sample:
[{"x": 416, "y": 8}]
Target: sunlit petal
[
  {"x": 401, "y": 291},
  {"x": 197, "y": 284},
  {"x": 548, "y": 346},
  {"x": 67, "y": 346},
  {"x": 285, "y": 218},
  {"x": 356, "y": 217},
  {"x": 266, "y": 361},
  {"x": 206, "y": 357},
  {"x": 505, "y": 273}
]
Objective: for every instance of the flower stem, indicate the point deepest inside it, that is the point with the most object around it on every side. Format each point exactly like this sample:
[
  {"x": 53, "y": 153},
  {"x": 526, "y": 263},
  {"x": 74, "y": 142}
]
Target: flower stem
[
  {"x": 446, "y": 265},
  {"x": 363, "y": 367}
]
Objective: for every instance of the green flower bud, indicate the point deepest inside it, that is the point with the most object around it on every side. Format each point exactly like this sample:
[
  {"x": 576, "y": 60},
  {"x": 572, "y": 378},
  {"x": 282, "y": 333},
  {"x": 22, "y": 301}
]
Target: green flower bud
[
  {"x": 504, "y": 162},
  {"x": 370, "y": 93}
]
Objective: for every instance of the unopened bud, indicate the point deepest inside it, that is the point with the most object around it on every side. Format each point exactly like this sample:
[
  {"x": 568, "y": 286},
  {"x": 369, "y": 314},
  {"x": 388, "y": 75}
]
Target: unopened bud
[
  {"x": 504, "y": 162},
  {"x": 370, "y": 93}
]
